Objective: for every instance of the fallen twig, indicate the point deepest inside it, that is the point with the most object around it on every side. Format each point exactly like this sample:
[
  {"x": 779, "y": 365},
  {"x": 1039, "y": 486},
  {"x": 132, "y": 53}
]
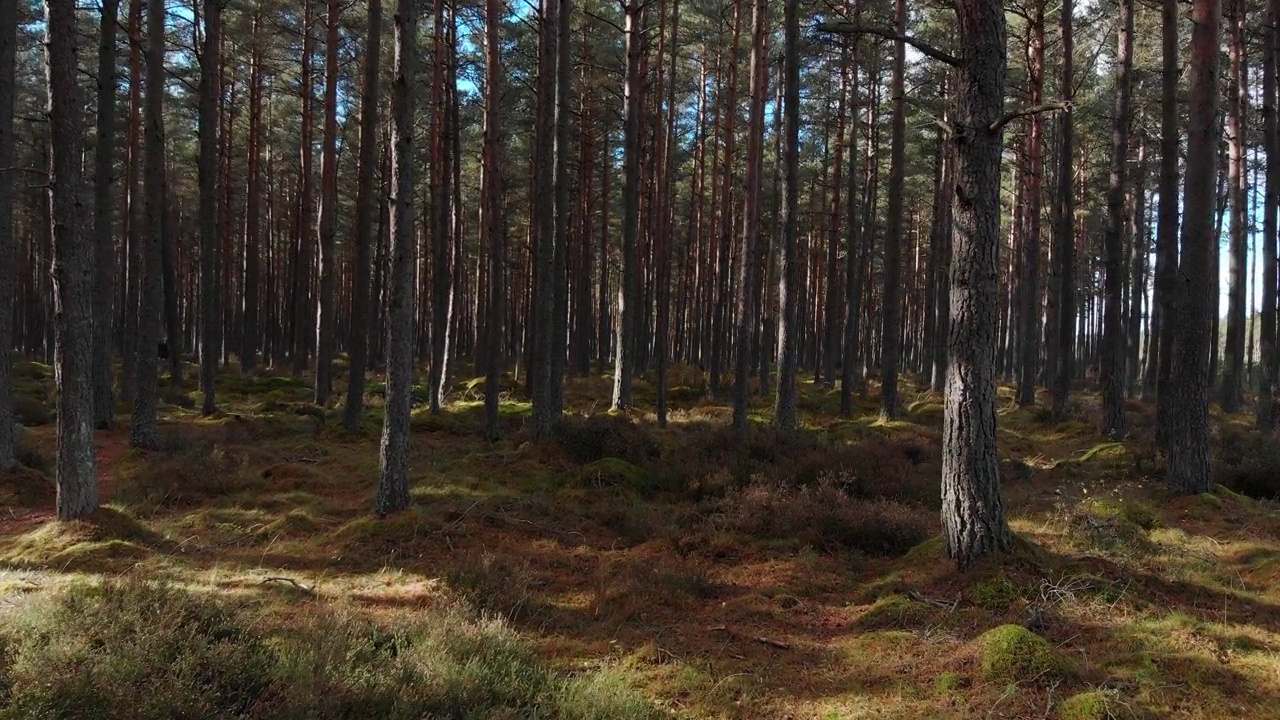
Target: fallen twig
[
  {"x": 757, "y": 638},
  {"x": 289, "y": 581}
]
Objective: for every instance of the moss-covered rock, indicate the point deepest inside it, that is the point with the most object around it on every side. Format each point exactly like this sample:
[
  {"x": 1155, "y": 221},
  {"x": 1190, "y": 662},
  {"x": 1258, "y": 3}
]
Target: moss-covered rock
[
  {"x": 1015, "y": 654},
  {"x": 1095, "y": 705},
  {"x": 894, "y": 611}
]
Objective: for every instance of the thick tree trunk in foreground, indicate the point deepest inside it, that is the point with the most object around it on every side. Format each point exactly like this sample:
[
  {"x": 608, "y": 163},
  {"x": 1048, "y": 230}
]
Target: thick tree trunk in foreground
[
  {"x": 366, "y": 210},
  {"x": 1188, "y": 446},
  {"x": 393, "y": 461},
  {"x": 73, "y": 273},
  {"x": 973, "y": 518}
]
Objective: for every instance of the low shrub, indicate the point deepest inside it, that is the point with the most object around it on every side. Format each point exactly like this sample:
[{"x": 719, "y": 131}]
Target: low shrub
[
  {"x": 589, "y": 439},
  {"x": 1248, "y": 462},
  {"x": 826, "y": 517},
  {"x": 29, "y": 410}
]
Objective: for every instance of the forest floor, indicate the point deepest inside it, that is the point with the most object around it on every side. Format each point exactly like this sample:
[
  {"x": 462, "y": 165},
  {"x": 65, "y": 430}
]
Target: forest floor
[{"x": 715, "y": 576}]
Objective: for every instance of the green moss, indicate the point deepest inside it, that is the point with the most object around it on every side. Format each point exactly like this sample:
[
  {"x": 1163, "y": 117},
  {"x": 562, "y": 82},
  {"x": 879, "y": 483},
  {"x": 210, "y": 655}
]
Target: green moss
[
  {"x": 930, "y": 550},
  {"x": 894, "y": 611},
  {"x": 947, "y": 683},
  {"x": 1131, "y": 511},
  {"x": 1211, "y": 500},
  {"x": 1095, "y": 705},
  {"x": 996, "y": 594},
  {"x": 103, "y": 556},
  {"x": 295, "y": 522},
  {"x": 1014, "y": 653},
  {"x": 612, "y": 472}
]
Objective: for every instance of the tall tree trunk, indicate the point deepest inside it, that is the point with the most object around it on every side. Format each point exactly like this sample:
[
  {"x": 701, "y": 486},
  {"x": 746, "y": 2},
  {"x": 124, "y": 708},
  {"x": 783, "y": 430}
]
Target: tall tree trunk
[
  {"x": 103, "y": 184},
  {"x": 303, "y": 312},
  {"x": 973, "y": 518},
  {"x": 393, "y": 480},
  {"x": 892, "y": 299},
  {"x": 210, "y": 92},
  {"x": 849, "y": 376},
  {"x": 326, "y": 229},
  {"x": 1188, "y": 440},
  {"x": 8, "y": 239},
  {"x": 492, "y": 223},
  {"x": 724, "y": 262},
  {"x": 628, "y": 291},
  {"x": 784, "y": 415},
  {"x": 366, "y": 210},
  {"x": 1065, "y": 216},
  {"x": 1029, "y": 332},
  {"x": 144, "y": 431},
  {"x": 542, "y": 418},
  {"x": 1238, "y": 253},
  {"x": 133, "y": 231},
  {"x": 1166, "y": 285},
  {"x": 559, "y": 267},
  {"x": 1270, "y": 376},
  {"x": 442, "y": 216},
  {"x": 1113, "y": 352},
  {"x": 251, "y": 334},
  {"x": 73, "y": 273},
  {"x": 748, "y": 271}
]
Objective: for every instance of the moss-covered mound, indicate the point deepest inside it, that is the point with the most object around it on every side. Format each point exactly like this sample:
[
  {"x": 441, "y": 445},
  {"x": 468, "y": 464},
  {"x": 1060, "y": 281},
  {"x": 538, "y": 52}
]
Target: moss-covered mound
[{"x": 1015, "y": 654}]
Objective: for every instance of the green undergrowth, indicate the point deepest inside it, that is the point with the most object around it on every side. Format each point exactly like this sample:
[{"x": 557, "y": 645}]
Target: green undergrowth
[{"x": 151, "y": 652}]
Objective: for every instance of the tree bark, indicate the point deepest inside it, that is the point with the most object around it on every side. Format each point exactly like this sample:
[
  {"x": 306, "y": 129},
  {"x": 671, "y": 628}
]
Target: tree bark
[
  {"x": 1029, "y": 333},
  {"x": 1188, "y": 440},
  {"x": 891, "y": 341},
  {"x": 210, "y": 92},
  {"x": 784, "y": 414},
  {"x": 326, "y": 229},
  {"x": 629, "y": 291},
  {"x": 393, "y": 480},
  {"x": 492, "y": 223},
  {"x": 1270, "y": 376},
  {"x": 748, "y": 270},
  {"x": 1238, "y": 241},
  {"x": 366, "y": 210},
  {"x": 73, "y": 273},
  {"x": 1113, "y": 344},
  {"x": 973, "y": 517},
  {"x": 8, "y": 240},
  {"x": 1166, "y": 285},
  {"x": 144, "y": 432},
  {"x": 103, "y": 186},
  {"x": 251, "y": 334},
  {"x": 1065, "y": 215}
]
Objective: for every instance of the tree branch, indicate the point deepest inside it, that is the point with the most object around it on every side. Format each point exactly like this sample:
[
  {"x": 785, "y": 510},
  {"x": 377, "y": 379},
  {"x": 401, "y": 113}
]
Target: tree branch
[
  {"x": 1028, "y": 112},
  {"x": 848, "y": 28}
]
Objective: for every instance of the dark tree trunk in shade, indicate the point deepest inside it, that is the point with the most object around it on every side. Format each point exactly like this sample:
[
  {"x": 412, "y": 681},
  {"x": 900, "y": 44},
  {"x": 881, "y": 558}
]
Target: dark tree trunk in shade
[
  {"x": 1113, "y": 340},
  {"x": 1029, "y": 332},
  {"x": 492, "y": 223},
  {"x": 144, "y": 432},
  {"x": 303, "y": 311},
  {"x": 442, "y": 297},
  {"x": 366, "y": 210},
  {"x": 1063, "y": 346},
  {"x": 133, "y": 213},
  {"x": 784, "y": 415},
  {"x": 103, "y": 220},
  {"x": 891, "y": 340},
  {"x": 973, "y": 519},
  {"x": 849, "y": 376},
  {"x": 1270, "y": 375},
  {"x": 73, "y": 272},
  {"x": 393, "y": 457},
  {"x": 8, "y": 239},
  {"x": 542, "y": 418},
  {"x": 748, "y": 270},
  {"x": 251, "y": 333},
  {"x": 210, "y": 91},
  {"x": 1238, "y": 240},
  {"x": 1188, "y": 428},
  {"x": 1167, "y": 284},
  {"x": 326, "y": 229}
]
